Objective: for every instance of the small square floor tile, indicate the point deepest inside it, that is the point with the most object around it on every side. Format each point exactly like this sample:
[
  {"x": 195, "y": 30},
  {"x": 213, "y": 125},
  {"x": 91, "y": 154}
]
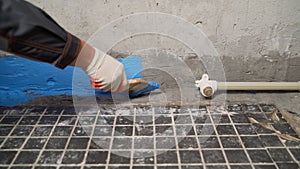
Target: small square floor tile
[
  {"x": 143, "y": 157},
  {"x": 167, "y": 167},
  {"x": 82, "y": 120},
  {"x": 281, "y": 118},
  {"x": 96, "y": 157},
  {"x": 19, "y": 167},
  {"x": 189, "y": 157},
  {"x": 1, "y": 140},
  {"x": 292, "y": 143},
  {"x": 44, "y": 167},
  {"x": 73, "y": 157},
  {"x": 105, "y": 120},
  {"x": 235, "y": 108},
  {"x": 225, "y": 130},
  {"x": 5, "y": 130},
  {"x": 240, "y": 167},
  {"x": 216, "y": 166},
  {"x": 27, "y": 157},
  {"x": 187, "y": 142},
  {"x": 231, "y": 142},
  {"x": 22, "y": 131},
  {"x": 62, "y": 131},
  {"x": 268, "y": 107},
  {"x": 213, "y": 156},
  {"x": 100, "y": 143},
  {"x": 236, "y": 156},
  {"x": 67, "y": 120},
  {"x": 144, "y": 120},
  {"x": 78, "y": 143},
  {"x": 182, "y": 119},
  {"x": 201, "y": 119},
  {"x": 144, "y": 130},
  {"x": 143, "y": 167},
  {"x": 50, "y": 120},
  {"x": 42, "y": 131},
  {"x": 103, "y": 131},
  {"x": 252, "y": 142},
  {"x": 6, "y": 157},
  {"x": 69, "y": 167},
  {"x": 71, "y": 111},
  {"x": 220, "y": 119},
  {"x": 259, "y": 156},
  {"x": 165, "y": 142},
  {"x": 265, "y": 166},
  {"x": 251, "y": 108},
  {"x": 296, "y": 153},
  {"x": 29, "y": 120},
  {"x": 239, "y": 118},
  {"x": 163, "y": 119},
  {"x": 202, "y": 130},
  {"x": 143, "y": 143},
  {"x": 287, "y": 165},
  {"x": 122, "y": 143},
  {"x": 10, "y": 120},
  {"x": 285, "y": 129},
  {"x": 50, "y": 157},
  {"x": 123, "y": 130},
  {"x": 191, "y": 166},
  {"x": 55, "y": 110},
  {"x": 13, "y": 143},
  {"x": 271, "y": 141},
  {"x": 16, "y": 111},
  {"x": 120, "y": 157},
  {"x": 35, "y": 143},
  {"x": 56, "y": 143},
  {"x": 261, "y": 130},
  {"x": 94, "y": 167},
  {"x": 184, "y": 130},
  {"x": 124, "y": 120},
  {"x": 82, "y": 131},
  {"x": 280, "y": 154},
  {"x": 164, "y": 131},
  {"x": 166, "y": 157},
  {"x": 261, "y": 117},
  {"x": 245, "y": 129},
  {"x": 209, "y": 142}
]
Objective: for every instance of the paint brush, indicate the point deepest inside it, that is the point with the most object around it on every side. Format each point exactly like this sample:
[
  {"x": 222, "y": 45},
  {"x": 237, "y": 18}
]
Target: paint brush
[
  {"x": 138, "y": 87},
  {"x": 133, "y": 69}
]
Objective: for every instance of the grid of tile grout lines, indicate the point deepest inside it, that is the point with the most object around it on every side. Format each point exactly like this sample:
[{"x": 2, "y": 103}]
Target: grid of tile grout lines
[{"x": 211, "y": 137}]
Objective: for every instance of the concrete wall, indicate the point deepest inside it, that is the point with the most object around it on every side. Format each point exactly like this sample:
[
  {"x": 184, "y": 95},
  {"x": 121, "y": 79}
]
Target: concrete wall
[{"x": 259, "y": 40}]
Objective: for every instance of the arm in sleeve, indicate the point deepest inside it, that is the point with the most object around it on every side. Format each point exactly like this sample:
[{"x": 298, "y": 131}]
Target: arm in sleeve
[{"x": 28, "y": 31}]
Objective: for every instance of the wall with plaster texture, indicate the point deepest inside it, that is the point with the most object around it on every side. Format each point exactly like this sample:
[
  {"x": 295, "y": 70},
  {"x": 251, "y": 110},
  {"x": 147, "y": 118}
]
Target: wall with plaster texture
[{"x": 258, "y": 40}]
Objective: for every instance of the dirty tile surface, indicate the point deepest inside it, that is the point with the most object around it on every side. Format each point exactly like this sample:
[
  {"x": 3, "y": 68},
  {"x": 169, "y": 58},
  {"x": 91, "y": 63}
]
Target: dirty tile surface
[{"x": 237, "y": 136}]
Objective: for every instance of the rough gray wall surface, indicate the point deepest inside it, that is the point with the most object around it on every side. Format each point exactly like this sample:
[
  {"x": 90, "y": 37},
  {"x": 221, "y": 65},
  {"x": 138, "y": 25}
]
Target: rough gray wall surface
[{"x": 258, "y": 40}]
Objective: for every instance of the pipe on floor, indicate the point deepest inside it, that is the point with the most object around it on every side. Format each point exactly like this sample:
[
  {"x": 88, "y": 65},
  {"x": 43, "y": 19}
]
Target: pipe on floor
[
  {"x": 258, "y": 85},
  {"x": 209, "y": 87}
]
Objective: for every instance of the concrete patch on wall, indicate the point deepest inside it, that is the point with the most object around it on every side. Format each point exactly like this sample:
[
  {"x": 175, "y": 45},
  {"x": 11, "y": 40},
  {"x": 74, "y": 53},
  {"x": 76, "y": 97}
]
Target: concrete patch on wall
[
  {"x": 253, "y": 37},
  {"x": 293, "y": 71}
]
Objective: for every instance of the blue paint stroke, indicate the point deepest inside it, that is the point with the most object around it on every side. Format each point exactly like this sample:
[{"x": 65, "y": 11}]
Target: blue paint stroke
[{"x": 22, "y": 80}]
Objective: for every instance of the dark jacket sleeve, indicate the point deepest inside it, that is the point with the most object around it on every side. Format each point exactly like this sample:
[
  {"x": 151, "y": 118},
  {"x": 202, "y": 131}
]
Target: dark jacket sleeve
[{"x": 28, "y": 31}]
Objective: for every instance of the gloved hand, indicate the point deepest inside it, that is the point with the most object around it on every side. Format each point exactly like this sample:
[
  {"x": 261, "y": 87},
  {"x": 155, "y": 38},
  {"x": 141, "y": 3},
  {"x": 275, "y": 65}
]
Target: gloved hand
[{"x": 106, "y": 73}]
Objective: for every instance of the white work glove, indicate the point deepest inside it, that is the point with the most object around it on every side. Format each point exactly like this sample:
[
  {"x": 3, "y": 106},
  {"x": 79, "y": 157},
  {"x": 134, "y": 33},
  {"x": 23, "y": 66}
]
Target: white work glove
[{"x": 106, "y": 73}]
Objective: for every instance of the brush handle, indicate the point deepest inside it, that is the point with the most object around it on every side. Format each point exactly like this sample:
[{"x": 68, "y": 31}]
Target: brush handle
[{"x": 134, "y": 82}]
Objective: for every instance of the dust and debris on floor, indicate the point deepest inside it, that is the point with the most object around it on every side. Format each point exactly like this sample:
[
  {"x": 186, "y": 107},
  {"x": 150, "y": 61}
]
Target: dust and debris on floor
[{"x": 213, "y": 137}]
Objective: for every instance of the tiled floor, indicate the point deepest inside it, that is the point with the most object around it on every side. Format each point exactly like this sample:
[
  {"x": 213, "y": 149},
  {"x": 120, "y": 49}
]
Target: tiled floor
[{"x": 145, "y": 137}]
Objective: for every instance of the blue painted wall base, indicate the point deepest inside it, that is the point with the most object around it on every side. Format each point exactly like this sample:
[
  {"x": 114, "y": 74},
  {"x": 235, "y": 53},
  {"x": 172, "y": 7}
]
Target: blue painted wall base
[{"x": 22, "y": 80}]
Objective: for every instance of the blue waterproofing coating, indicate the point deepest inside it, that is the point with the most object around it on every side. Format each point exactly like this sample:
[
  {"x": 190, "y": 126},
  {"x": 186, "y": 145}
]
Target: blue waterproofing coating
[{"x": 22, "y": 80}]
